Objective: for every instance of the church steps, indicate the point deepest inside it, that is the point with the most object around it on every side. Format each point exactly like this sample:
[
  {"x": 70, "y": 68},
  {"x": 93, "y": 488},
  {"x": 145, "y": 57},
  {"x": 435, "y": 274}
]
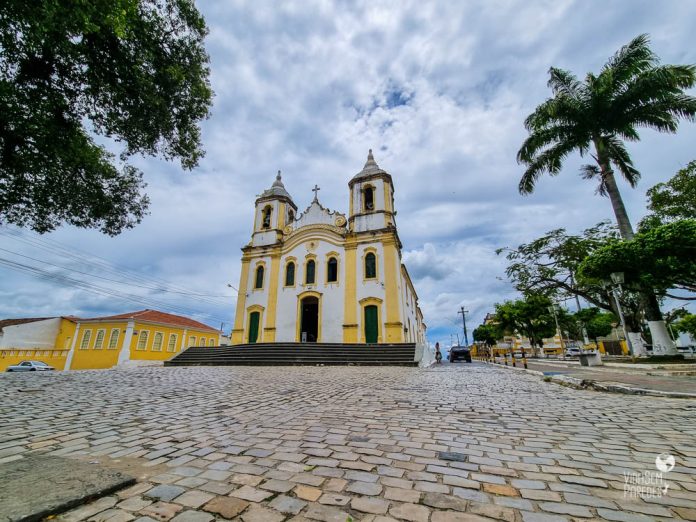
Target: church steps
[{"x": 267, "y": 354}]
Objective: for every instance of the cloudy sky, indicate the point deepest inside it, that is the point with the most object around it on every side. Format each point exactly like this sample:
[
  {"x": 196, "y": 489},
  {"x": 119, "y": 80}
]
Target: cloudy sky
[{"x": 438, "y": 90}]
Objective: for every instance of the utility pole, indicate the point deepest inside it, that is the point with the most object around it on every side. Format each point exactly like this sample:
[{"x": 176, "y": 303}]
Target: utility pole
[
  {"x": 464, "y": 312},
  {"x": 585, "y": 339}
]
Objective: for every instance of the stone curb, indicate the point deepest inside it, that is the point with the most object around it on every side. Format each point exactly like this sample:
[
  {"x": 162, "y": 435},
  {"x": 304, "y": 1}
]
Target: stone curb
[{"x": 609, "y": 387}]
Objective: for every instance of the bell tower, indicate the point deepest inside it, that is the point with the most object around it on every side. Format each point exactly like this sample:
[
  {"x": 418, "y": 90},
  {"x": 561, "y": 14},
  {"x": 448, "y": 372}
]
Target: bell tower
[
  {"x": 274, "y": 209},
  {"x": 371, "y": 198}
]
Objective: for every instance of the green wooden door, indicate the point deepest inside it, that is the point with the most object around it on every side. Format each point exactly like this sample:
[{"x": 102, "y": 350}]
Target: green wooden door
[
  {"x": 371, "y": 327},
  {"x": 254, "y": 327}
]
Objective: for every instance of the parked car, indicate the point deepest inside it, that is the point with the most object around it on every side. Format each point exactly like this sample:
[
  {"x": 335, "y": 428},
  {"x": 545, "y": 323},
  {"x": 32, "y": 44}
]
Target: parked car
[
  {"x": 459, "y": 352},
  {"x": 30, "y": 366},
  {"x": 573, "y": 351}
]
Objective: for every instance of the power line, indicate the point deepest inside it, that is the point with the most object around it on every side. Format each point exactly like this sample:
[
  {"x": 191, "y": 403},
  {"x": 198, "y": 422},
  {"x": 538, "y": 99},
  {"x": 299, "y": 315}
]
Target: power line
[
  {"x": 102, "y": 264},
  {"x": 90, "y": 287}
]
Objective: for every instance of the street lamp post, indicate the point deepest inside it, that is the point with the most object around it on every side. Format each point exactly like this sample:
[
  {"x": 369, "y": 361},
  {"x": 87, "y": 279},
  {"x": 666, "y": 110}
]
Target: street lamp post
[{"x": 617, "y": 278}]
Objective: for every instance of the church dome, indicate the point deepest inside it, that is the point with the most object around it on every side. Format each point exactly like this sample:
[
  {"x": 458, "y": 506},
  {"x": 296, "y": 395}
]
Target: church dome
[
  {"x": 277, "y": 189},
  {"x": 370, "y": 169}
]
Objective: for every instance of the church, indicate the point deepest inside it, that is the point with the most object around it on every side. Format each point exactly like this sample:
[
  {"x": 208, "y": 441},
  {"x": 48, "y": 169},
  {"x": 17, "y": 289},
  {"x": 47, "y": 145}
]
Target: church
[{"x": 322, "y": 276}]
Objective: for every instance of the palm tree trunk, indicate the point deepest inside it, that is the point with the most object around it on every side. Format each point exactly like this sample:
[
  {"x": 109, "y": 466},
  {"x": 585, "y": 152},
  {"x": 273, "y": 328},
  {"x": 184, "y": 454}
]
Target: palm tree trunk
[
  {"x": 609, "y": 181},
  {"x": 662, "y": 343},
  {"x": 625, "y": 228}
]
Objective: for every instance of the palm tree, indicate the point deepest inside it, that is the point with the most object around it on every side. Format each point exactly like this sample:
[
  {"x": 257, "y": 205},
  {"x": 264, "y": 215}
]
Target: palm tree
[{"x": 596, "y": 117}]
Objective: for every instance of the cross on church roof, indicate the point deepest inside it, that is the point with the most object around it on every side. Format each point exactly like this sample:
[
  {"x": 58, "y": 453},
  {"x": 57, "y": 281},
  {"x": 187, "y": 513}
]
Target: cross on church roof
[{"x": 316, "y": 190}]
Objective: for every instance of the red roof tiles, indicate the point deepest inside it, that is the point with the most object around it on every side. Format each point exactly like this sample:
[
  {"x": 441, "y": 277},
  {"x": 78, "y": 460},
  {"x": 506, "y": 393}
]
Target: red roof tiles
[{"x": 155, "y": 316}]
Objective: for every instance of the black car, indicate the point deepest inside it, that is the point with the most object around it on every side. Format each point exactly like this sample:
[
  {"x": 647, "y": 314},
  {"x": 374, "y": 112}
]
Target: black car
[{"x": 459, "y": 352}]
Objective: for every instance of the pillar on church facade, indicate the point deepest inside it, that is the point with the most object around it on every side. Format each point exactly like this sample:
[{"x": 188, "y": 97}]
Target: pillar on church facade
[{"x": 350, "y": 320}]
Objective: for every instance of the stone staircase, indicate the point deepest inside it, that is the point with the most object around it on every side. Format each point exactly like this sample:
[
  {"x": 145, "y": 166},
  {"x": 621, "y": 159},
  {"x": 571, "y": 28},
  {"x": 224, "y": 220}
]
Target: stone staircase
[{"x": 298, "y": 354}]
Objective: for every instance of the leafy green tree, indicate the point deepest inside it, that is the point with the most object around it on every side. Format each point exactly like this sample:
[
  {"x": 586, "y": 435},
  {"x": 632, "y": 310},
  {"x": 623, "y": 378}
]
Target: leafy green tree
[
  {"x": 488, "y": 334},
  {"x": 596, "y": 322},
  {"x": 549, "y": 266},
  {"x": 662, "y": 258},
  {"x": 672, "y": 200},
  {"x": 134, "y": 72},
  {"x": 687, "y": 324},
  {"x": 594, "y": 117},
  {"x": 529, "y": 316}
]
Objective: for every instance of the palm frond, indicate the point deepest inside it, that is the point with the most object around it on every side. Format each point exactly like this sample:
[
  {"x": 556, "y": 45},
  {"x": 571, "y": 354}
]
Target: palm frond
[
  {"x": 619, "y": 157},
  {"x": 549, "y": 161},
  {"x": 540, "y": 139},
  {"x": 564, "y": 83},
  {"x": 592, "y": 172},
  {"x": 631, "y": 60}
]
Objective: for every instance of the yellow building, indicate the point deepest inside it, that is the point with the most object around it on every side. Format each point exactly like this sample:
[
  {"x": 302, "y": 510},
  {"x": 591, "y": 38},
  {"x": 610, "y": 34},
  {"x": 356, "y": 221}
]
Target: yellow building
[
  {"x": 73, "y": 343},
  {"x": 46, "y": 339}
]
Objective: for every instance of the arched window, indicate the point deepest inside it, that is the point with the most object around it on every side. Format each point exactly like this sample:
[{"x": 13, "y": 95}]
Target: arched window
[
  {"x": 369, "y": 198},
  {"x": 266, "y": 217},
  {"x": 370, "y": 266},
  {"x": 290, "y": 274},
  {"x": 259, "y": 277},
  {"x": 310, "y": 275},
  {"x": 332, "y": 270}
]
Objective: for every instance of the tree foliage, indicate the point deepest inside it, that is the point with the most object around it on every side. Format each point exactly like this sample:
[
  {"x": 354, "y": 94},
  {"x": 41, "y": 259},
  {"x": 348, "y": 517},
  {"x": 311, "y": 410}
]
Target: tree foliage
[
  {"x": 488, "y": 334},
  {"x": 596, "y": 116},
  {"x": 134, "y": 72},
  {"x": 687, "y": 324},
  {"x": 661, "y": 258},
  {"x": 549, "y": 266},
  {"x": 529, "y": 316},
  {"x": 596, "y": 323},
  {"x": 672, "y": 200}
]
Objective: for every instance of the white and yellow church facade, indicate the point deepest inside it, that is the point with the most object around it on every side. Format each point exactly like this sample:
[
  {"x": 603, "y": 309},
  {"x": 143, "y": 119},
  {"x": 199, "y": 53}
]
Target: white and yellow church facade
[{"x": 322, "y": 276}]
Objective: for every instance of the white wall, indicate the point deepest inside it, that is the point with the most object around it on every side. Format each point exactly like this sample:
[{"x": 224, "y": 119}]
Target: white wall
[
  {"x": 332, "y": 298},
  {"x": 40, "y": 335}
]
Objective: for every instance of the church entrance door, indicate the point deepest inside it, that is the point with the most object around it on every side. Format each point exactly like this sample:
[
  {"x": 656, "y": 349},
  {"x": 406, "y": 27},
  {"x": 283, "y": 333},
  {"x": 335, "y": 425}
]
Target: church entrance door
[
  {"x": 309, "y": 326},
  {"x": 371, "y": 330},
  {"x": 254, "y": 326}
]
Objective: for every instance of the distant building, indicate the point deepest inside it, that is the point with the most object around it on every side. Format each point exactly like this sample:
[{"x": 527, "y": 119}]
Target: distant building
[{"x": 101, "y": 342}]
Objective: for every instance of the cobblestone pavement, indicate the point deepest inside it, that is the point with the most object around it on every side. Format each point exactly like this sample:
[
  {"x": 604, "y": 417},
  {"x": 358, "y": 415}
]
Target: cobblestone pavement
[
  {"x": 453, "y": 443},
  {"x": 637, "y": 379}
]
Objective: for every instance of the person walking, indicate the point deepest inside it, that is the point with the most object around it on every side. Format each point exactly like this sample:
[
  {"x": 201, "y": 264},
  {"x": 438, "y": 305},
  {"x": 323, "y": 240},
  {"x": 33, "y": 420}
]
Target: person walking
[{"x": 438, "y": 354}]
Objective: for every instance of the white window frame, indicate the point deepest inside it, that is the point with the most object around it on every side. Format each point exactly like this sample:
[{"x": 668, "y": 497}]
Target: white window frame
[
  {"x": 113, "y": 339},
  {"x": 86, "y": 337},
  {"x": 171, "y": 344},
  {"x": 155, "y": 347},
  {"x": 143, "y": 334},
  {"x": 201, "y": 341},
  {"x": 99, "y": 342}
]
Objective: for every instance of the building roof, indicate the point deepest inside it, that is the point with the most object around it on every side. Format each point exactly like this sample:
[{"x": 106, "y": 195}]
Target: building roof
[
  {"x": 154, "y": 316},
  {"x": 12, "y": 322},
  {"x": 370, "y": 169},
  {"x": 25, "y": 320}
]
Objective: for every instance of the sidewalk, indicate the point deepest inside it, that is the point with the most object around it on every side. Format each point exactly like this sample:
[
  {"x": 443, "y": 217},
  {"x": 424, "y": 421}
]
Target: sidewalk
[{"x": 610, "y": 378}]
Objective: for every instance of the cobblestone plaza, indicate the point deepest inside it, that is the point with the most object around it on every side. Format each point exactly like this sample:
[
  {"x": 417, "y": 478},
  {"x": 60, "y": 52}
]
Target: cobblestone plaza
[{"x": 456, "y": 443}]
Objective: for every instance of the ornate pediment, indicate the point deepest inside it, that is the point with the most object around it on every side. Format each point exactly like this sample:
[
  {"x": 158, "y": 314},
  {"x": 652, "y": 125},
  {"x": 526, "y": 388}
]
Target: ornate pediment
[{"x": 316, "y": 214}]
